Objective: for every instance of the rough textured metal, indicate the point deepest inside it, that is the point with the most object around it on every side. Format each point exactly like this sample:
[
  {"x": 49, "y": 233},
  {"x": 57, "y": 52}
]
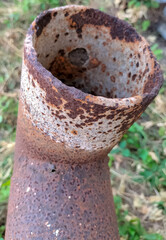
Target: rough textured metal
[{"x": 86, "y": 77}]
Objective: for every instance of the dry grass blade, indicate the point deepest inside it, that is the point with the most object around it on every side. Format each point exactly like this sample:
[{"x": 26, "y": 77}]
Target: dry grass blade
[
  {"x": 14, "y": 94},
  {"x": 9, "y": 43}
]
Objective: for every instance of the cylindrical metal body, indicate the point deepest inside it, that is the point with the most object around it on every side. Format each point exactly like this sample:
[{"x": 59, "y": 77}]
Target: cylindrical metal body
[{"x": 86, "y": 77}]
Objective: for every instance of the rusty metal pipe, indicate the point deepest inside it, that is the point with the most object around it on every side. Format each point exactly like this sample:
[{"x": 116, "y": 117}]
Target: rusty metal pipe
[{"x": 86, "y": 77}]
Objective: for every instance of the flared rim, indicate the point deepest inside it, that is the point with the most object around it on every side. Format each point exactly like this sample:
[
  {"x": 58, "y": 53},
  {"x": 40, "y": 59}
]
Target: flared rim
[{"x": 151, "y": 88}]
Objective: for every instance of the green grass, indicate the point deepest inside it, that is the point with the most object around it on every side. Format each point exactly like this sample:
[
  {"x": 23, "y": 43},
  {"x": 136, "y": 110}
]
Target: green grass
[
  {"x": 131, "y": 229},
  {"x": 4, "y": 191},
  {"x": 147, "y": 3},
  {"x": 135, "y": 145}
]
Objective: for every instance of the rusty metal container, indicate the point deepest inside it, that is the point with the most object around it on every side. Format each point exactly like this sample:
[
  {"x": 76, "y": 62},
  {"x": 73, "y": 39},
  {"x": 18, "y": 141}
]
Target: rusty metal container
[{"x": 86, "y": 77}]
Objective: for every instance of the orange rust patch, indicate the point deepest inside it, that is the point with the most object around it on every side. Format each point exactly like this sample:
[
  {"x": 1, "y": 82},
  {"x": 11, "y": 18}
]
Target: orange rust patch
[
  {"x": 89, "y": 46},
  {"x": 69, "y": 49},
  {"x": 74, "y": 132},
  {"x": 90, "y": 98},
  {"x": 63, "y": 69},
  {"x": 54, "y": 88},
  {"x": 81, "y": 100},
  {"x": 33, "y": 25},
  {"x": 94, "y": 62},
  {"x": 73, "y": 24}
]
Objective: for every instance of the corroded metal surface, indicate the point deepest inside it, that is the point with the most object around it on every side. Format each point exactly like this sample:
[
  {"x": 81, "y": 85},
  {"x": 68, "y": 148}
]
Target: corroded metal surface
[{"x": 86, "y": 77}]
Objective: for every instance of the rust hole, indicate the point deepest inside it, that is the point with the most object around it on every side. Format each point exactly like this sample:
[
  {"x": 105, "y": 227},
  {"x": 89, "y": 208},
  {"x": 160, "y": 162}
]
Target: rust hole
[{"x": 78, "y": 56}]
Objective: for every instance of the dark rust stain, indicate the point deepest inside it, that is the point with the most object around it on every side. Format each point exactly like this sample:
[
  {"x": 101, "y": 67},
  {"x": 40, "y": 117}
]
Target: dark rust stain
[
  {"x": 56, "y": 39},
  {"x": 54, "y": 14},
  {"x": 134, "y": 77},
  {"x": 150, "y": 52},
  {"x": 42, "y": 21},
  {"x": 144, "y": 49},
  {"x": 118, "y": 28},
  {"x": 110, "y": 116},
  {"x": 33, "y": 84},
  {"x": 61, "y": 52},
  {"x": 66, "y": 14}
]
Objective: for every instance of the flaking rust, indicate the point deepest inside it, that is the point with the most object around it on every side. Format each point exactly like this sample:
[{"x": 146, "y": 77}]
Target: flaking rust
[{"x": 86, "y": 78}]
